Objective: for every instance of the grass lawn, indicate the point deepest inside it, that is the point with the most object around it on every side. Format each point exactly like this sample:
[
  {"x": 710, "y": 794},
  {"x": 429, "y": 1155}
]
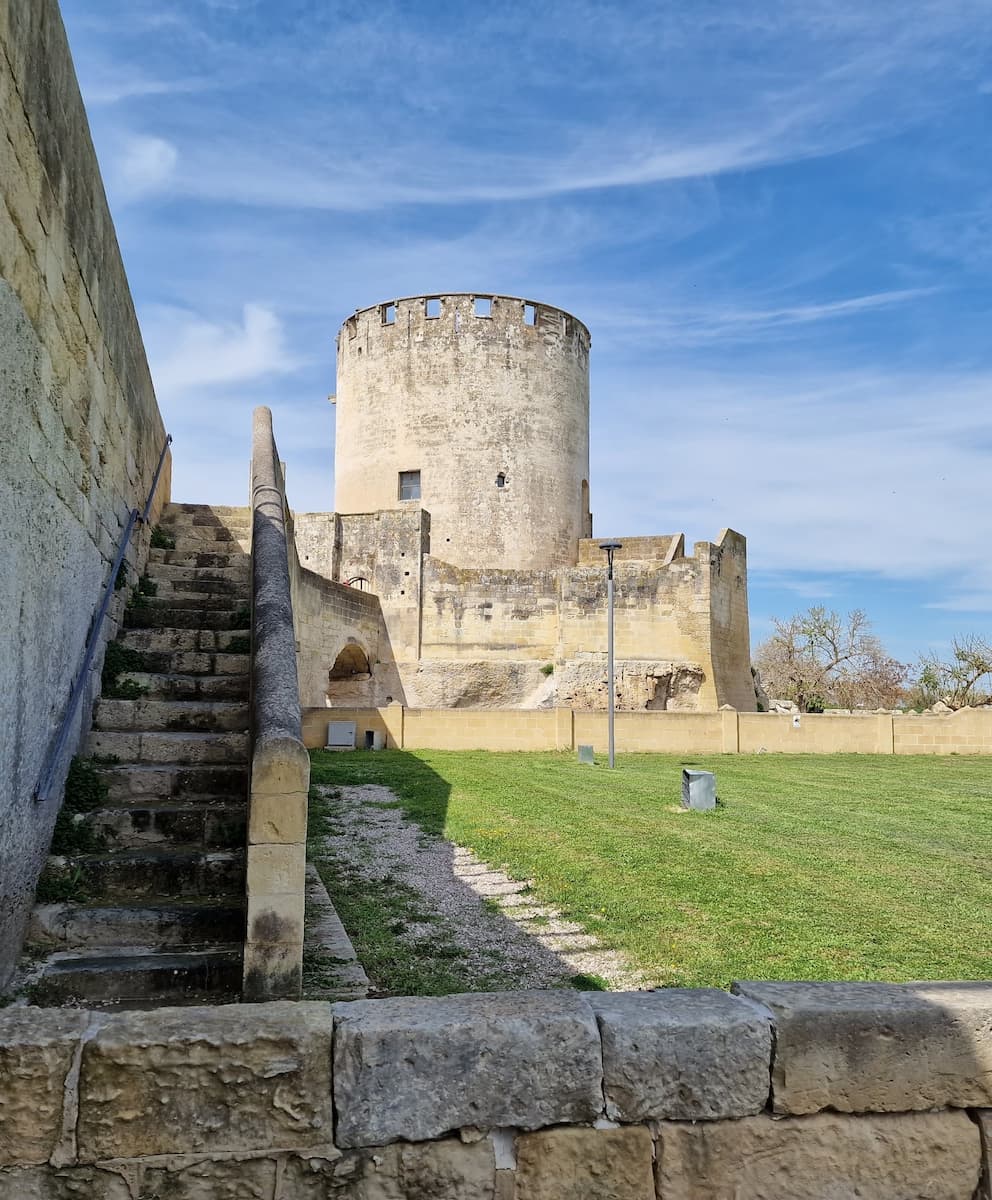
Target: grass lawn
[{"x": 812, "y": 867}]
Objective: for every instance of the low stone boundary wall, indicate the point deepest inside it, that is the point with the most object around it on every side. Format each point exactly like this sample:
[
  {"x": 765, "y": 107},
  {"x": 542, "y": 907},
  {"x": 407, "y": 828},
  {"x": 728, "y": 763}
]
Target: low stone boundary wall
[
  {"x": 805, "y": 1091},
  {"x": 726, "y": 732}
]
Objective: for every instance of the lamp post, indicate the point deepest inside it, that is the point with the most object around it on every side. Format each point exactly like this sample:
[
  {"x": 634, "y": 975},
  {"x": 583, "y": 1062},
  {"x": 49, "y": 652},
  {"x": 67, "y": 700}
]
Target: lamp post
[{"x": 610, "y": 548}]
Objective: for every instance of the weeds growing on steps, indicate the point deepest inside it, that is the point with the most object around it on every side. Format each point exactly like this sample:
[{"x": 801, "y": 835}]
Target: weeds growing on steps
[
  {"x": 85, "y": 792},
  {"x": 162, "y": 540},
  {"x": 119, "y": 660}
]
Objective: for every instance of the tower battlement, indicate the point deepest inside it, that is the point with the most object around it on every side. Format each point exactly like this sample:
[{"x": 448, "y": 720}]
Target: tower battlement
[{"x": 479, "y": 316}]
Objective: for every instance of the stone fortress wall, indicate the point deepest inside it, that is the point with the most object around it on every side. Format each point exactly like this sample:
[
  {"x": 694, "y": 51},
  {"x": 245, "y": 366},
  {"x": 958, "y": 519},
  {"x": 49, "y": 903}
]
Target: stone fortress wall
[
  {"x": 798, "y": 1090},
  {"x": 458, "y": 637},
  {"x": 82, "y": 432},
  {"x": 491, "y": 588}
]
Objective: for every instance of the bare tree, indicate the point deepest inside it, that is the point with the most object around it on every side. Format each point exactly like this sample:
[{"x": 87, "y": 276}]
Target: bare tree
[
  {"x": 957, "y": 683},
  {"x": 819, "y": 657}
]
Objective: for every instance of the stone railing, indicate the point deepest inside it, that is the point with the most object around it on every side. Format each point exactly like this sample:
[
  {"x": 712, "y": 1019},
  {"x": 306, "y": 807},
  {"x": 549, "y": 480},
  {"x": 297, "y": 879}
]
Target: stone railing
[
  {"x": 792, "y": 1090},
  {"x": 280, "y": 766}
]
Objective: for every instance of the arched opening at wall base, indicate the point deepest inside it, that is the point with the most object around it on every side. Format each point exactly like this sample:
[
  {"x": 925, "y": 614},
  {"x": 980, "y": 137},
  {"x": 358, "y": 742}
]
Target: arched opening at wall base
[
  {"x": 349, "y": 681},
  {"x": 350, "y": 662}
]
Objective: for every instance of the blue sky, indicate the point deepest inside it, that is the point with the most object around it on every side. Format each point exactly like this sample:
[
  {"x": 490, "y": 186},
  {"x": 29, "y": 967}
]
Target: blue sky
[{"x": 775, "y": 218}]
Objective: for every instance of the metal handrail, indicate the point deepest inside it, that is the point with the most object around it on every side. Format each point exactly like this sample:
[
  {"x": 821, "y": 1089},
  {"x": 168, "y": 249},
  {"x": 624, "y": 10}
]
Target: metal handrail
[{"x": 43, "y": 792}]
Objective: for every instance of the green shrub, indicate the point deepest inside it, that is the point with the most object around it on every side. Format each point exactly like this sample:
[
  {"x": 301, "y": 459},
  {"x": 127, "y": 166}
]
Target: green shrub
[
  {"x": 162, "y": 540},
  {"x": 548, "y": 669}
]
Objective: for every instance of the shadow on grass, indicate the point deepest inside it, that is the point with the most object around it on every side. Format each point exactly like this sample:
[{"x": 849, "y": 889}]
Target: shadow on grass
[{"x": 424, "y": 918}]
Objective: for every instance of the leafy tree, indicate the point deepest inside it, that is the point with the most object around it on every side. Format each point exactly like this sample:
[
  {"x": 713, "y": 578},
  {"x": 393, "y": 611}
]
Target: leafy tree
[
  {"x": 962, "y": 681},
  {"x": 819, "y": 658}
]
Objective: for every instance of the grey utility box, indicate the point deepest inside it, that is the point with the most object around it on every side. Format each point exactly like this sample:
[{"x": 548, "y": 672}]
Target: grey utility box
[
  {"x": 340, "y": 735},
  {"x": 698, "y": 790},
  {"x": 586, "y": 755}
]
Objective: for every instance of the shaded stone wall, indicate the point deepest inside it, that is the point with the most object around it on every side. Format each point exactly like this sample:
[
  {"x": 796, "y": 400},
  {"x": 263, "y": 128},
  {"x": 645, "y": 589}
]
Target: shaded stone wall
[
  {"x": 810, "y": 1091},
  {"x": 81, "y": 429}
]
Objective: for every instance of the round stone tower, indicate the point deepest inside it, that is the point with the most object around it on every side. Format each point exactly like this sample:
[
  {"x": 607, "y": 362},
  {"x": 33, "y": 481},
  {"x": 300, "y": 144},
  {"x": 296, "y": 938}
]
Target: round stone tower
[{"x": 476, "y": 408}]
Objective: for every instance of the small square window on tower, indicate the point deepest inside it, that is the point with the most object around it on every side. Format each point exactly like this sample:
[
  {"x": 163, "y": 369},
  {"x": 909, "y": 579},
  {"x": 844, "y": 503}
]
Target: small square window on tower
[{"x": 409, "y": 485}]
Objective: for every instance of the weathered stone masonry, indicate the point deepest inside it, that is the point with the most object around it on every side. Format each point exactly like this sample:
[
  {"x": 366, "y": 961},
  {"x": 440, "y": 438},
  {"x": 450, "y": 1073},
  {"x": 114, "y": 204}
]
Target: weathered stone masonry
[
  {"x": 81, "y": 431},
  {"x": 807, "y": 1091}
]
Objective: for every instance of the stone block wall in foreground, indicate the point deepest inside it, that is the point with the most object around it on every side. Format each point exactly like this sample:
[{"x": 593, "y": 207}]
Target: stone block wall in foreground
[{"x": 795, "y": 1091}]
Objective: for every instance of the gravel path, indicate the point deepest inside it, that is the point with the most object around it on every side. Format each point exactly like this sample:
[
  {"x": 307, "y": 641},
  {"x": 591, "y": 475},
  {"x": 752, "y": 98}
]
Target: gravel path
[{"x": 509, "y": 941}]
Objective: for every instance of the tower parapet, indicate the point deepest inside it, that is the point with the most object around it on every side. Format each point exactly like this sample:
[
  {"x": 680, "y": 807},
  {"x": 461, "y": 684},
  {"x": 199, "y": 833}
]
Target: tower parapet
[{"x": 475, "y": 407}]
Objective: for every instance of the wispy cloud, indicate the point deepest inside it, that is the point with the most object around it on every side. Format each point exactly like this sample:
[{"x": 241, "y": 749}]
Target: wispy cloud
[
  {"x": 190, "y": 355},
  {"x": 685, "y": 325},
  {"x": 867, "y": 472},
  {"x": 143, "y": 165},
  {"x": 773, "y": 218}
]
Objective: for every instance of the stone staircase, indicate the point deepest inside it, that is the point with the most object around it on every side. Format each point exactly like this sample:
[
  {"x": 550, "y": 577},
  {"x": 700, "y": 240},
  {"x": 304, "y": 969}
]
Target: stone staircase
[{"x": 157, "y": 916}]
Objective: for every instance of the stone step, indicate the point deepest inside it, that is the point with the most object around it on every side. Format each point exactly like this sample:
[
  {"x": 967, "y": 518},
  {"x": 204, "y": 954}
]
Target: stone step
[
  {"x": 130, "y": 783},
  {"x": 210, "y": 825},
  {"x": 177, "y": 601},
  {"x": 175, "y": 977},
  {"x": 192, "y": 924},
  {"x": 133, "y": 874},
  {"x": 190, "y": 687},
  {"x": 217, "y": 559},
  {"x": 205, "y": 537},
  {"x": 201, "y": 664},
  {"x": 169, "y": 641},
  {"x": 149, "y": 716},
  {"x": 169, "y": 747},
  {"x": 204, "y": 514},
  {"x": 169, "y": 574},
  {"x": 185, "y": 591},
  {"x": 153, "y": 616}
]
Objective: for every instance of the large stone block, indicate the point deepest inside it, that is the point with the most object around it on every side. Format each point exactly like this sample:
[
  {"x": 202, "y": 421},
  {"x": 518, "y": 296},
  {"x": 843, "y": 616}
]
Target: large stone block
[
  {"x": 276, "y": 869},
  {"x": 908, "y": 1156},
  {"x": 448, "y": 1170},
  {"x": 877, "y": 1047},
  {"x": 184, "y": 1080},
  {"x": 277, "y": 818},
  {"x": 372, "y": 1174},
  {"x": 66, "y": 1183},
  {"x": 984, "y": 1120},
  {"x": 682, "y": 1054},
  {"x": 418, "y": 1068},
  {"x": 36, "y": 1052},
  {"x": 203, "y": 1179},
  {"x": 596, "y": 1164}
]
